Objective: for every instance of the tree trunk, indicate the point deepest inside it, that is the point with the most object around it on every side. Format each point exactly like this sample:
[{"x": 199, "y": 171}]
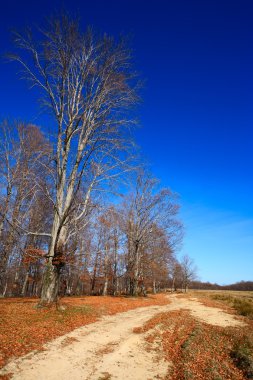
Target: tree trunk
[
  {"x": 51, "y": 276},
  {"x": 154, "y": 287},
  {"x": 131, "y": 286},
  {"x": 115, "y": 282},
  {"x": 50, "y": 287},
  {"x": 94, "y": 276},
  {"x": 134, "y": 269},
  {"x": 115, "y": 285},
  {"x": 4, "y": 290},
  {"x": 173, "y": 285},
  {"x": 105, "y": 286},
  {"x": 6, "y": 208},
  {"x": 135, "y": 286},
  {"x": 23, "y": 292}
]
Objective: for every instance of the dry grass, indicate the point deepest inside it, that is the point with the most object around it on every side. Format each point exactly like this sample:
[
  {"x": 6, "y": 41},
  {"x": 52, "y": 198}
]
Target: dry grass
[
  {"x": 241, "y": 301},
  {"x": 105, "y": 376},
  {"x": 67, "y": 341},
  {"x": 234, "y": 293},
  {"x": 200, "y": 351},
  {"x": 110, "y": 347}
]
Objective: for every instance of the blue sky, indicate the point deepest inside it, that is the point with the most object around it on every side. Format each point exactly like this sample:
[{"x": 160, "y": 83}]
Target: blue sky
[{"x": 197, "y": 112}]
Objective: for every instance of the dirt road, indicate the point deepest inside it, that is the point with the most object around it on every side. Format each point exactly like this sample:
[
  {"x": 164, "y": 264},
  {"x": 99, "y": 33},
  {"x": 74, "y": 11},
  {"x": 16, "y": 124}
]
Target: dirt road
[{"x": 108, "y": 349}]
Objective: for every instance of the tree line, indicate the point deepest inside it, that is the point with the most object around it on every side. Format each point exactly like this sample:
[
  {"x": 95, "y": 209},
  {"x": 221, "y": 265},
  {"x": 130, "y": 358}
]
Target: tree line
[
  {"x": 79, "y": 213},
  {"x": 242, "y": 285}
]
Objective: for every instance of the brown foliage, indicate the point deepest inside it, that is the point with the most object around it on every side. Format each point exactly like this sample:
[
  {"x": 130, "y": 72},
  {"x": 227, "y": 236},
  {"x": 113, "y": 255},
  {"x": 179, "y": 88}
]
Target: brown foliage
[
  {"x": 197, "y": 350},
  {"x": 32, "y": 255},
  {"x": 25, "y": 328}
]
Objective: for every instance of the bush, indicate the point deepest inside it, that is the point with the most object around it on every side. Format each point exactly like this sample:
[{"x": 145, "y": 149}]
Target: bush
[
  {"x": 243, "y": 307},
  {"x": 242, "y": 355}
]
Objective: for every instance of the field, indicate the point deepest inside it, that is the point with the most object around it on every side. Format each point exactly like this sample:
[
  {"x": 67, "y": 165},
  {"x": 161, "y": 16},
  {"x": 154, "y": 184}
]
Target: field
[
  {"x": 201, "y": 335},
  {"x": 233, "y": 293},
  {"x": 241, "y": 301}
]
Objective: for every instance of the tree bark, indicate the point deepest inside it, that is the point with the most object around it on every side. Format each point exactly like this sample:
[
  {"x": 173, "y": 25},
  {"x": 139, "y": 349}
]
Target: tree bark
[
  {"x": 51, "y": 276},
  {"x": 105, "y": 289},
  {"x": 135, "y": 286},
  {"x": 154, "y": 286},
  {"x": 23, "y": 292},
  {"x": 50, "y": 288}
]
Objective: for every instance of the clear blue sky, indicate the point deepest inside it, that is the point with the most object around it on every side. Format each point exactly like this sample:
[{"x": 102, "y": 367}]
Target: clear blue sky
[{"x": 196, "y": 116}]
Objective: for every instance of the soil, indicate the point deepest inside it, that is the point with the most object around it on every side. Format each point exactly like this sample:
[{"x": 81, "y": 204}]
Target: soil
[{"x": 109, "y": 349}]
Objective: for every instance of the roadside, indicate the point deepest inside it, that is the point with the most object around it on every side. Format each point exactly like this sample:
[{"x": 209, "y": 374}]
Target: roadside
[
  {"x": 119, "y": 346},
  {"x": 23, "y": 328}
]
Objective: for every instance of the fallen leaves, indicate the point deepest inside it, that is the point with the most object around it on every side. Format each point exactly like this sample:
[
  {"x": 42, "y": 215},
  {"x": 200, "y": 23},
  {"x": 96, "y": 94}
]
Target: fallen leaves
[
  {"x": 67, "y": 341},
  {"x": 23, "y": 328},
  {"x": 197, "y": 350}
]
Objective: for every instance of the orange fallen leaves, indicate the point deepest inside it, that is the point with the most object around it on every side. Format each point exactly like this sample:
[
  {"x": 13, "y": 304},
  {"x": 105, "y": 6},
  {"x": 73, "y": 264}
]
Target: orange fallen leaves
[
  {"x": 197, "y": 350},
  {"x": 23, "y": 328}
]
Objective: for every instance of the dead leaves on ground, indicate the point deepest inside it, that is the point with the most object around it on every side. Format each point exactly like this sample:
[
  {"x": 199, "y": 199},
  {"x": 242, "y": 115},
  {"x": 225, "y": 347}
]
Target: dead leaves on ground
[
  {"x": 23, "y": 328},
  {"x": 197, "y": 350}
]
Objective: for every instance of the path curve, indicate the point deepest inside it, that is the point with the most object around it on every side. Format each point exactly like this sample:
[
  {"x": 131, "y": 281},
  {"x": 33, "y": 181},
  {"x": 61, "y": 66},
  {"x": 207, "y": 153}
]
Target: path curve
[{"x": 108, "y": 348}]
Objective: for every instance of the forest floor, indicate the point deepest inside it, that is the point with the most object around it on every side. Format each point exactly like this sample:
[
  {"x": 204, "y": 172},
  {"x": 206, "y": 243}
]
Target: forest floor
[{"x": 159, "y": 337}]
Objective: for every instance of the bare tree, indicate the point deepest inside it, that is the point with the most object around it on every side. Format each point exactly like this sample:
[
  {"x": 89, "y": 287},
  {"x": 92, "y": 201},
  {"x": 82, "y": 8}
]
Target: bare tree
[
  {"x": 24, "y": 152},
  {"x": 189, "y": 271},
  {"x": 112, "y": 238},
  {"x": 158, "y": 256},
  {"x": 87, "y": 83},
  {"x": 147, "y": 208},
  {"x": 176, "y": 275}
]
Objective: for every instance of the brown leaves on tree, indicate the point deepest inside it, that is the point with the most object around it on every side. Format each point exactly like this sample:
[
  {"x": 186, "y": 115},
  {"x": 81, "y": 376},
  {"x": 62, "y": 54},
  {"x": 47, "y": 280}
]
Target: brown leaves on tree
[{"x": 32, "y": 255}]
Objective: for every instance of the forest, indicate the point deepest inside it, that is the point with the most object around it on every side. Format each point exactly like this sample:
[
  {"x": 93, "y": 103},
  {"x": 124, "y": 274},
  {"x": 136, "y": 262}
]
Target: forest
[
  {"x": 242, "y": 285},
  {"x": 80, "y": 211}
]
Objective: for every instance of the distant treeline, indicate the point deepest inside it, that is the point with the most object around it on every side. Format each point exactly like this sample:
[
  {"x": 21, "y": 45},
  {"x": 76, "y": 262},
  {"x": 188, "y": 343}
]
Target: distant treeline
[{"x": 242, "y": 285}]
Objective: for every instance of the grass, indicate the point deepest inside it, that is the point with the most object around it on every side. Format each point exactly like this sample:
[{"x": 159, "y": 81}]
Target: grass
[
  {"x": 242, "y": 355},
  {"x": 242, "y": 347},
  {"x": 242, "y": 304},
  {"x": 243, "y": 307},
  {"x": 199, "y": 351},
  {"x": 241, "y": 301},
  {"x": 234, "y": 293}
]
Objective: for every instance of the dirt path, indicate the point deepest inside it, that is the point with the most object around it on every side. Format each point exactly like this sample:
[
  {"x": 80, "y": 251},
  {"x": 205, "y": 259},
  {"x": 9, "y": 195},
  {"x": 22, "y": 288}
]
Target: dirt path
[{"x": 108, "y": 349}]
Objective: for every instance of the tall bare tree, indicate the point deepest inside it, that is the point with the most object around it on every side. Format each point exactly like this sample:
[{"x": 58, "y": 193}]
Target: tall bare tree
[
  {"x": 189, "y": 271},
  {"x": 158, "y": 258},
  {"x": 88, "y": 84},
  {"x": 147, "y": 209},
  {"x": 24, "y": 153}
]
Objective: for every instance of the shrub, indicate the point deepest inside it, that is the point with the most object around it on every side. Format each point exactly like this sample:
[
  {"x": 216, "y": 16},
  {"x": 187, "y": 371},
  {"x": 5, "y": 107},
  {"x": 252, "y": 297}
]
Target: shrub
[
  {"x": 243, "y": 307},
  {"x": 242, "y": 355}
]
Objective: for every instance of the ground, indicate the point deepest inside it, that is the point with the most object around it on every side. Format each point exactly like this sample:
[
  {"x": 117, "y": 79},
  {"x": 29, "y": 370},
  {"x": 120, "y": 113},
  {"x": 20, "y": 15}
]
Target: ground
[{"x": 144, "y": 343}]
